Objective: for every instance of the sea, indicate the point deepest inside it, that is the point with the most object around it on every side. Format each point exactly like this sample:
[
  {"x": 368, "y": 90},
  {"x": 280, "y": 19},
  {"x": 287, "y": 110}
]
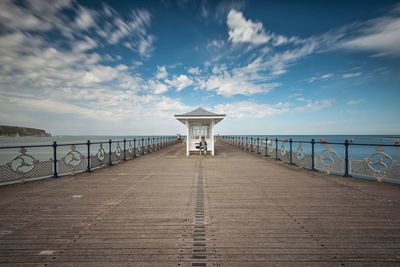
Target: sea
[{"x": 45, "y": 153}]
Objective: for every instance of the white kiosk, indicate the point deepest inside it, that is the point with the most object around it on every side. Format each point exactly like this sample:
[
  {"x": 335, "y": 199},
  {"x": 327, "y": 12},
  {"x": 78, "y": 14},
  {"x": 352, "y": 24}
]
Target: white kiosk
[{"x": 199, "y": 122}]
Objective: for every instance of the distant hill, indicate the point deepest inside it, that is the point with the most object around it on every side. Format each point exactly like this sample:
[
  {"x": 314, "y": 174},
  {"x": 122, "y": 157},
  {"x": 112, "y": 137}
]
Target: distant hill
[{"x": 21, "y": 131}]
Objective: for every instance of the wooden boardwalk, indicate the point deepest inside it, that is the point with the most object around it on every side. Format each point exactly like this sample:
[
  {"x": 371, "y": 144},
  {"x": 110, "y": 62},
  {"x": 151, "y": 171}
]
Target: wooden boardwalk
[{"x": 233, "y": 209}]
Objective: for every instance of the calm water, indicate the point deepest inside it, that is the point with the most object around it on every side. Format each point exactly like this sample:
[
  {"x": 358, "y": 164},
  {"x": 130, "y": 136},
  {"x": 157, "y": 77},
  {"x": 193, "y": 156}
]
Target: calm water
[{"x": 356, "y": 152}]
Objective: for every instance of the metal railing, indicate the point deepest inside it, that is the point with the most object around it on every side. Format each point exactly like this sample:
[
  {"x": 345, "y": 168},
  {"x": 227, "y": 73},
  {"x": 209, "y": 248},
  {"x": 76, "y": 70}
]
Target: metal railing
[
  {"x": 71, "y": 158},
  {"x": 323, "y": 156}
]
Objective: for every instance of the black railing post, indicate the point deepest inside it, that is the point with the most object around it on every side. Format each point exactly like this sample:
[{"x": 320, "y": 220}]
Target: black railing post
[
  {"x": 258, "y": 145},
  {"x": 88, "y": 156},
  {"x": 290, "y": 149},
  {"x": 246, "y": 147},
  {"x": 142, "y": 146},
  {"x": 312, "y": 154},
  {"x": 55, "y": 174},
  {"x": 251, "y": 144},
  {"x": 134, "y": 147},
  {"x": 266, "y": 146},
  {"x": 124, "y": 149},
  {"x": 109, "y": 154},
  {"x": 276, "y": 148},
  {"x": 346, "y": 158},
  {"x": 148, "y": 144},
  {"x": 153, "y": 145}
]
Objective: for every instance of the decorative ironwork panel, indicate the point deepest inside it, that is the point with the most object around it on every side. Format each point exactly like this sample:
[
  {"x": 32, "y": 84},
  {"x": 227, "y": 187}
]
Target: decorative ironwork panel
[
  {"x": 64, "y": 168},
  {"x": 300, "y": 154},
  {"x": 24, "y": 167},
  {"x": 300, "y": 158},
  {"x": 118, "y": 152},
  {"x": 329, "y": 161},
  {"x": 23, "y": 163},
  {"x": 378, "y": 165},
  {"x": 72, "y": 162},
  {"x": 99, "y": 159},
  {"x": 271, "y": 150},
  {"x": 42, "y": 169},
  {"x": 283, "y": 153},
  {"x": 130, "y": 149}
]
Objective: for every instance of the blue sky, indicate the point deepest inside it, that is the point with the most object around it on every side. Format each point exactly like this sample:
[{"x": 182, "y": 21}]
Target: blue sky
[{"x": 274, "y": 67}]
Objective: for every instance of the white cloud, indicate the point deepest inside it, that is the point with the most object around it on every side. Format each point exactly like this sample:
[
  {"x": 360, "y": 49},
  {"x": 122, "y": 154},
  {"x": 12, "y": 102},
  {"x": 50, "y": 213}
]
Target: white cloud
[
  {"x": 242, "y": 30},
  {"x": 132, "y": 33},
  {"x": 320, "y": 77},
  {"x": 216, "y": 44},
  {"x": 314, "y": 105},
  {"x": 248, "y": 109},
  {"x": 180, "y": 82},
  {"x": 138, "y": 23},
  {"x": 121, "y": 67},
  {"x": 227, "y": 85},
  {"x": 355, "y": 102},
  {"x": 145, "y": 45},
  {"x": 158, "y": 87},
  {"x": 84, "y": 45},
  {"x": 38, "y": 16},
  {"x": 380, "y": 35},
  {"x": 351, "y": 74},
  {"x": 251, "y": 109},
  {"x": 162, "y": 73},
  {"x": 255, "y": 77},
  {"x": 85, "y": 19},
  {"x": 280, "y": 40},
  {"x": 245, "y": 31},
  {"x": 194, "y": 70}
]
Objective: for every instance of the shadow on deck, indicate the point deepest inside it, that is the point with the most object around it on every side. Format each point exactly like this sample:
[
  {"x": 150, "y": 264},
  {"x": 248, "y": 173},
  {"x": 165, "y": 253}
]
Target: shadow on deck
[{"x": 233, "y": 209}]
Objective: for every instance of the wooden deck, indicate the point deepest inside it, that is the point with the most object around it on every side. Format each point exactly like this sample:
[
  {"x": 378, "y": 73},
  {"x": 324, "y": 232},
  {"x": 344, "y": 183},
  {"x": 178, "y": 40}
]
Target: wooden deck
[{"x": 233, "y": 209}]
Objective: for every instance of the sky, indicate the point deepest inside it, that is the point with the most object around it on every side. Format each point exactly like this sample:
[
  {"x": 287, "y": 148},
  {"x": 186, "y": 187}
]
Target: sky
[{"x": 273, "y": 67}]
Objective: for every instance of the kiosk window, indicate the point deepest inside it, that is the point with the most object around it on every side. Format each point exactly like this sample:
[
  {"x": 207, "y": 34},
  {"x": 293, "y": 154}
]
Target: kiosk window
[{"x": 200, "y": 130}]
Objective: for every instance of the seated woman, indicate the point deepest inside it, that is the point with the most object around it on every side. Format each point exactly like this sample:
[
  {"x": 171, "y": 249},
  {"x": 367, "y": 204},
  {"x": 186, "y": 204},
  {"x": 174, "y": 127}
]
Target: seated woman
[{"x": 203, "y": 146}]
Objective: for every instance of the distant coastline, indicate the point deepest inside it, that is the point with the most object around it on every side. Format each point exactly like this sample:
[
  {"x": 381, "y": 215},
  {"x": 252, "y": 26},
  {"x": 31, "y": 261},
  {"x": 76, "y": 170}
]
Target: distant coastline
[{"x": 14, "y": 131}]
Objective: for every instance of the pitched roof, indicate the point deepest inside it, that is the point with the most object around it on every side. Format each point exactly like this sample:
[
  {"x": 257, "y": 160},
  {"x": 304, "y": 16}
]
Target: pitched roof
[{"x": 199, "y": 112}]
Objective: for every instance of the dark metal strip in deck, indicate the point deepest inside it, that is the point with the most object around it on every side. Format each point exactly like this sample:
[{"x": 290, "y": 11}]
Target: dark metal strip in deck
[{"x": 199, "y": 252}]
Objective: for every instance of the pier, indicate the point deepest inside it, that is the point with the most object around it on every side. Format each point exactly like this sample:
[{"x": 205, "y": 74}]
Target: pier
[{"x": 236, "y": 208}]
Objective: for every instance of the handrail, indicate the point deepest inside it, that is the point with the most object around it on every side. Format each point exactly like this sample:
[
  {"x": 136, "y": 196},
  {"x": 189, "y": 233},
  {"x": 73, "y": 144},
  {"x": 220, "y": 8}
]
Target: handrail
[
  {"x": 26, "y": 167},
  {"x": 378, "y": 165}
]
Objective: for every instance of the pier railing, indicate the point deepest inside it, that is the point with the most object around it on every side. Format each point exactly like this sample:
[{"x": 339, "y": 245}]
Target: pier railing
[
  {"x": 325, "y": 156},
  {"x": 32, "y": 162}
]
